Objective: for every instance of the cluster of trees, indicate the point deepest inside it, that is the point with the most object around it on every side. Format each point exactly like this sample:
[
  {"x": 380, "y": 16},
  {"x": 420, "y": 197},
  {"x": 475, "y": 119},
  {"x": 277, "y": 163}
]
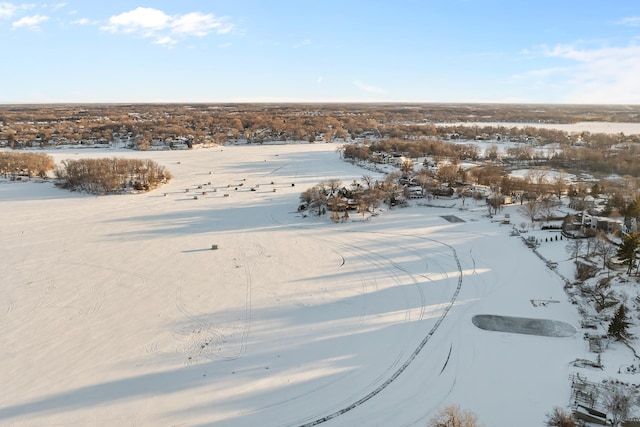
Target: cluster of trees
[
  {"x": 13, "y": 164},
  {"x": 618, "y": 400},
  {"x": 198, "y": 124},
  {"x": 618, "y": 154},
  {"x": 540, "y": 186},
  {"x": 331, "y": 195},
  {"x": 256, "y": 123},
  {"x": 536, "y": 185},
  {"x": 435, "y": 148},
  {"x": 111, "y": 175},
  {"x": 622, "y": 159}
]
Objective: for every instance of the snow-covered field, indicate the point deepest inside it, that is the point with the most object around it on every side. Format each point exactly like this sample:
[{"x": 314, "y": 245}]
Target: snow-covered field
[{"x": 116, "y": 311}]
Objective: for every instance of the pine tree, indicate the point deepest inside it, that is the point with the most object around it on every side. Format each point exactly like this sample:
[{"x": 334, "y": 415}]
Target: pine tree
[
  {"x": 618, "y": 328},
  {"x": 629, "y": 249}
]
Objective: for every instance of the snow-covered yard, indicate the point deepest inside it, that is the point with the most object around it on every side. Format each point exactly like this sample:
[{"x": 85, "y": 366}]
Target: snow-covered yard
[{"x": 116, "y": 311}]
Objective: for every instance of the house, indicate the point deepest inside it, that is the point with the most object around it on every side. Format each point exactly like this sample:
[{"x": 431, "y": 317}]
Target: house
[
  {"x": 504, "y": 199},
  {"x": 482, "y": 190},
  {"x": 589, "y": 202},
  {"x": 415, "y": 192},
  {"x": 396, "y": 160},
  {"x": 442, "y": 190},
  {"x": 608, "y": 225}
]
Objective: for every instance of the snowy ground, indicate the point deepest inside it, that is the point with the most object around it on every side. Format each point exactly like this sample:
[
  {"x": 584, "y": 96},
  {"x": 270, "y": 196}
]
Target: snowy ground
[{"x": 116, "y": 311}]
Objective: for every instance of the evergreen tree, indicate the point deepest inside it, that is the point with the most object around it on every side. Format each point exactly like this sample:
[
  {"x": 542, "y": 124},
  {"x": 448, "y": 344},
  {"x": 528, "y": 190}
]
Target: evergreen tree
[
  {"x": 629, "y": 249},
  {"x": 633, "y": 209},
  {"x": 618, "y": 328}
]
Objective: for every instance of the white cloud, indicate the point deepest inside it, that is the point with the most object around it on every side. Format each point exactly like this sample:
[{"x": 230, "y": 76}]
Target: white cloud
[
  {"x": 199, "y": 24},
  {"x": 367, "y": 88},
  {"x": 30, "y": 22},
  {"x": 84, "y": 21},
  {"x": 320, "y": 80},
  {"x": 7, "y": 10},
  {"x": 166, "y": 41},
  {"x": 599, "y": 75},
  {"x": 149, "y": 22},
  {"x": 143, "y": 20},
  {"x": 632, "y": 21},
  {"x": 305, "y": 42}
]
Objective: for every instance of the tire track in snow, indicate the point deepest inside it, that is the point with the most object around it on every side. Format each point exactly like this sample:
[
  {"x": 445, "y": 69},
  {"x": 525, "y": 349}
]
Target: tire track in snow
[
  {"x": 381, "y": 263},
  {"x": 207, "y": 339},
  {"x": 408, "y": 362},
  {"x": 247, "y": 320},
  {"x": 417, "y": 350},
  {"x": 10, "y": 305}
]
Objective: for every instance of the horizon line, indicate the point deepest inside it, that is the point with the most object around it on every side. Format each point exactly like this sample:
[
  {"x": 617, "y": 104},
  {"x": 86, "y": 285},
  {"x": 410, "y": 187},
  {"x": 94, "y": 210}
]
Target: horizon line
[{"x": 298, "y": 102}]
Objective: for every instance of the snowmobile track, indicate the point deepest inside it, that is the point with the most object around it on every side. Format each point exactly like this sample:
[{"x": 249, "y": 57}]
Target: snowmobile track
[{"x": 406, "y": 364}]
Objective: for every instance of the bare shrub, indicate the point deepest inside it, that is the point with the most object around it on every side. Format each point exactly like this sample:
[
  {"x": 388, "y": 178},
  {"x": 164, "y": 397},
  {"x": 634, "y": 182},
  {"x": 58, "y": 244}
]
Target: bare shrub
[
  {"x": 453, "y": 416},
  {"x": 560, "y": 418}
]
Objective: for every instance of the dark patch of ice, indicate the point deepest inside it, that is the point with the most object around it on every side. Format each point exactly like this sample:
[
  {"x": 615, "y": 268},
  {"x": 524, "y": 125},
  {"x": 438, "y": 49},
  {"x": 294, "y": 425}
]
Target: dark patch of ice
[
  {"x": 524, "y": 325},
  {"x": 452, "y": 218}
]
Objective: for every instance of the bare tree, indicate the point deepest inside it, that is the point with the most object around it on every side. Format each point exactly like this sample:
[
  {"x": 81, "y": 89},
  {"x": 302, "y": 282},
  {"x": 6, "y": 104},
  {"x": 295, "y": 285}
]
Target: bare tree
[
  {"x": 618, "y": 400},
  {"x": 492, "y": 152},
  {"x": 367, "y": 180},
  {"x": 372, "y": 198},
  {"x": 539, "y": 178},
  {"x": 306, "y": 197},
  {"x": 390, "y": 188},
  {"x": 601, "y": 293},
  {"x": 447, "y": 173},
  {"x": 362, "y": 206},
  {"x": 423, "y": 178},
  {"x": 547, "y": 208},
  {"x": 591, "y": 241},
  {"x": 333, "y": 185},
  {"x": 453, "y": 416},
  {"x": 407, "y": 166},
  {"x": 559, "y": 185},
  {"x": 604, "y": 249},
  {"x": 560, "y": 418},
  {"x": 530, "y": 210},
  {"x": 574, "y": 248},
  {"x": 318, "y": 199}
]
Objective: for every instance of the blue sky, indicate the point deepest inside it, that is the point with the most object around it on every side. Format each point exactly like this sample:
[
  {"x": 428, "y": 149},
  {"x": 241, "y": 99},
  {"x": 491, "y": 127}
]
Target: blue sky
[{"x": 561, "y": 51}]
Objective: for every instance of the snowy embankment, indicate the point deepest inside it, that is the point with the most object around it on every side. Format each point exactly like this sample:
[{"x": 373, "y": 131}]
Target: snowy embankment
[{"x": 115, "y": 310}]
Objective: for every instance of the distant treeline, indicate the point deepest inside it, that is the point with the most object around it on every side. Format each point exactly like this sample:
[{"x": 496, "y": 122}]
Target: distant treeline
[
  {"x": 597, "y": 153},
  {"x": 184, "y": 126},
  {"x": 14, "y": 165},
  {"x": 111, "y": 175}
]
